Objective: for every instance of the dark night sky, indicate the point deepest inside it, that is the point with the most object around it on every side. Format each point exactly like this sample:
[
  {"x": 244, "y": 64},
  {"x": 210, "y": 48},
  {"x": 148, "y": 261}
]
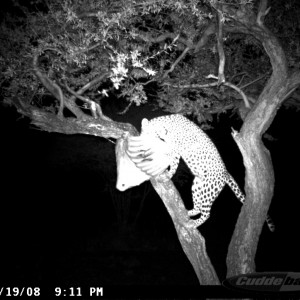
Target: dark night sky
[
  {"x": 58, "y": 225},
  {"x": 49, "y": 212}
]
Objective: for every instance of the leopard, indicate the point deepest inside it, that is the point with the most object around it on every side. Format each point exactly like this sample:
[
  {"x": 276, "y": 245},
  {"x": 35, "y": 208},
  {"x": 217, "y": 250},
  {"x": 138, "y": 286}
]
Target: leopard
[{"x": 189, "y": 142}]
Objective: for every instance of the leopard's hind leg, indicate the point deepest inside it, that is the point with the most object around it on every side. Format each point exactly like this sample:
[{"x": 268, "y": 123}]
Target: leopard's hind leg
[{"x": 204, "y": 194}]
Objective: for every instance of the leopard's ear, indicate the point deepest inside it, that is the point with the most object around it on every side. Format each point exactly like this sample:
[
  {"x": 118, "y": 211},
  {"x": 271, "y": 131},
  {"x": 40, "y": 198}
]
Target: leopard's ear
[{"x": 145, "y": 123}]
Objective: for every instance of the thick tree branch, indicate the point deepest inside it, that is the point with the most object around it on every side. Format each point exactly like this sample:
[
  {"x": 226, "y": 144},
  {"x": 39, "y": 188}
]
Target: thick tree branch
[
  {"x": 262, "y": 12},
  {"x": 54, "y": 89},
  {"x": 51, "y": 86},
  {"x": 191, "y": 240},
  {"x": 199, "y": 86},
  {"x": 51, "y": 123},
  {"x": 259, "y": 180},
  {"x": 95, "y": 108}
]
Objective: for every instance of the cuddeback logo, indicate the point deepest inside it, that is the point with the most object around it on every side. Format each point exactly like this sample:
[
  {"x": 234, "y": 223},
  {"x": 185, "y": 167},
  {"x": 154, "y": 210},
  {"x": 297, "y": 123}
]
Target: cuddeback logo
[{"x": 265, "y": 282}]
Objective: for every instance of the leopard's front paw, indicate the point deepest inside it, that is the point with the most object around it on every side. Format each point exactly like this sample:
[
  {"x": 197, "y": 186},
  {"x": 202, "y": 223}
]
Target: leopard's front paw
[
  {"x": 192, "y": 224},
  {"x": 164, "y": 177}
]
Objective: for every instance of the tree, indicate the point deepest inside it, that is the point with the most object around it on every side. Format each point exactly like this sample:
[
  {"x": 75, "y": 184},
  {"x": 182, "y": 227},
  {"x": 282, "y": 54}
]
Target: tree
[{"x": 177, "y": 54}]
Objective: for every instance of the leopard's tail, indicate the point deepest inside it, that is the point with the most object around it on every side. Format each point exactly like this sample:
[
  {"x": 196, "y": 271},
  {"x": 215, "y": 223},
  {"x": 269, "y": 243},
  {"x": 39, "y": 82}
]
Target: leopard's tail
[{"x": 237, "y": 191}]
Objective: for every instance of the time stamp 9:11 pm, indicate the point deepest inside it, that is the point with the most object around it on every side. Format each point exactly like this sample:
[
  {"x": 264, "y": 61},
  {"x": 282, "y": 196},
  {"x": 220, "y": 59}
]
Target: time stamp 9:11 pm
[
  {"x": 77, "y": 291},
  {"x": 57, "y": 291}
]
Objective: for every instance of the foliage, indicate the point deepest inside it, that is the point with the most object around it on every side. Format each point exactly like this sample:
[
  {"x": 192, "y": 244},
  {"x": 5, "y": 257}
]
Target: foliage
[{"x": 148, "y": 49}]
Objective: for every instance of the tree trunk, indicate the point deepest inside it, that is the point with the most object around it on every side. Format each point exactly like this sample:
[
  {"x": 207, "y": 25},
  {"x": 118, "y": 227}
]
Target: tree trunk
[
  {"x": 259, "y": 180},
  {"x": 259, "y": 190},
  {"x": 192, "y": 242}
]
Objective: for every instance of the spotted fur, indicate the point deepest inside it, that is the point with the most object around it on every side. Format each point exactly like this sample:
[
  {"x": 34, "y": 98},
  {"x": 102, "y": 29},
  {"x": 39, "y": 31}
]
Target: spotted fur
[{"x": 188, "y": 141}]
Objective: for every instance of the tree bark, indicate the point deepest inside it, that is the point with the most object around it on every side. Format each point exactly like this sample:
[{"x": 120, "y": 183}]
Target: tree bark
[
  {"x": 50, "y": 122},
  {"x": 192, "y": 242},
  {"x": 259, "y": 180}
]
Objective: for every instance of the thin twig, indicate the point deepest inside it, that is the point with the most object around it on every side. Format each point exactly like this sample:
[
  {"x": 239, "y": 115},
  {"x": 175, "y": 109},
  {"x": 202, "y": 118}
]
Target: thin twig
[
  {"x": 255, "y": 80},
  {"x": 176, "y": 62}
]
